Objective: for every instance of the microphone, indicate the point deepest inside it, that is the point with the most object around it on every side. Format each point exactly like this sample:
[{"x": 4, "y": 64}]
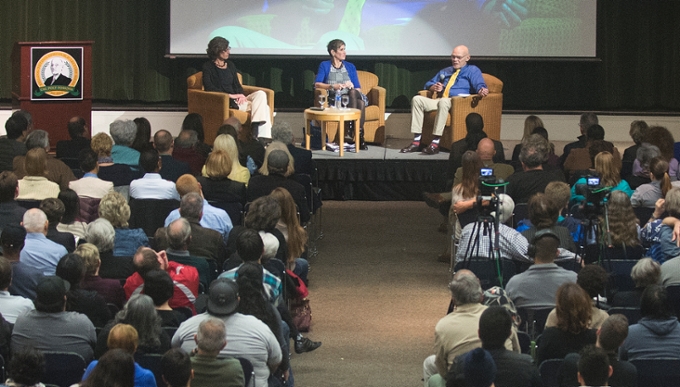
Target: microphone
[{"x": 441, "y": 80}]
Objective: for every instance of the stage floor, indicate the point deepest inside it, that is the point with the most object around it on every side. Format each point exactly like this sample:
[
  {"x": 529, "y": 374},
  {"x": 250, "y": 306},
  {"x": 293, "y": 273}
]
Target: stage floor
[{"x": 380, "y": 173}]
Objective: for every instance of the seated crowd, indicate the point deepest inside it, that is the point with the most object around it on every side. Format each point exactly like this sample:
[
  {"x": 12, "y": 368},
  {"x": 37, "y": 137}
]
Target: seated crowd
[
  {"x": 82, "y": 272},
  {"x": 584, "y": 247}
]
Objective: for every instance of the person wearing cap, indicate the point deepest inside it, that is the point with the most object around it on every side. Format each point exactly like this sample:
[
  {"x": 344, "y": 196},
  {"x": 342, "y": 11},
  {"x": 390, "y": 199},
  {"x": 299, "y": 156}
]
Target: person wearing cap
[
  {"x": 25, "y": 278},
  {"x": 50, "y": 328},
  {"x": 185, "y": 278},
  {"x": 247, "y": 336},
  {"x": 511, "y": 368},
  {"x": 11, "y": 213},
  {"x": 212, "y": 217},
  {"x": 38, "y": 251},
  {"x": 263, "y": 185},
  {"x": 209, "y": 371},
  {"x": 537, "y": 286},
  {"x": 511, "y": 244},
  {"x": 10, "y": 306}
]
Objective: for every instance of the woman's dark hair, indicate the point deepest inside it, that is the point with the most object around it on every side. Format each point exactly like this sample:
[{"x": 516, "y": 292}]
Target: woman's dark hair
[
  {"x": 543, "y": 132},
  {"x": 573, "y": 308},
  {"x": 71, "y": 267},
  {"x": 27, "y": 366},
  {"x": 71, "y": 205},
  {"x": 252, "y": 297},
  {"x": 116, "y": 368},
  {"x": 140, "y": 312},
  {"x": 263, "y": 214},
  {"x": 216, "y": 46},
  {"x": 334, "y": 45},
  {"x": 194, "y": 121},
  {"x": 158, "y": 285},
  {"x": 143, "y": 136},
  {"x": 87, "y": 159}
]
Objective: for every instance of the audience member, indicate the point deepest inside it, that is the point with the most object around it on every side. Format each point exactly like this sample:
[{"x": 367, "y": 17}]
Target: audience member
[
  {"x": 474, "y": 125},
  {"x": 479, "y": 369},
  {"x": 141, "y": 314},
  {"x": 125, "y": 337},
  {"x": 176, "y": 368},
  {"x": 185, "y": 278},
  {"x": 533, "y": 178},
  {"x": 35, "y": 186},
  {"x": 261, "y": 185},
  {"x": 574, "y": 315},
  {"x": 277, "y": 145},
  {"x": 294, "y": 234},
  {"x": 109, "y": 289},
  {"x": 177, "y": 237},
  {"x": 530, "y": 123},
  {"x": 115, "y": 368},
  {"x": 71, "y": 221},
  {"x": 11, "y": 213},
  {"x": 610, "y": 336},
  {"x": 593, "y": 367},
  {"x": 638, "y": 133},
  {"x": 102, "y": 234},
  {"x": 165, "y": 145},
  {"x": 592, "y": 279},
  {"x": 608, "y": 172},
  {"x": 120, "y": 174},
  {"x": 54, "y": 210},
  {"x": 159, "y": 286},
  {"x": 640, "y": 174},
  {"x": 114, "y": 208},
  {"x": 203, "y": 242},
  {"x": 216, "y": 184},
  {"x": 152, "y": 185},
  {"x": 142, "y": 140},
  {"x": 213, "y": 218},
  {"x": 49, "y": 327},
  {"x": 56, "y": 171},
  {"x": 282, "y": 132},
  {"x": 12, "y": 144},
  {"x": 26, "y": 369},
  {"x": 90, "y": 185},
  {"x": 647, "y": 194},
  {"x": 247, "y": 336},
  {"x": 646, "y": 272},
  {"x": 209, "y": 371},
  {"x": 227, "y": 143},
  {"x": 71, "y": 268},
  {"x": 553, "y": 161},
  {"x": 657, "y": 334},
  {"x": 78, "y": 131},
  {"x": 194, "y": 123},
  {"x": 543, "y": 214},
  {"x": 560, "y": 193},
  {"x": 537, "y": 286},
  {"x": 663, "y": 139},
  {"x": 25, "y": 278},
  {"x": 11, "y": 306},
  {"x": 624, "y": 230},
  {"x": 512, "y": 369},
  {"x": 248, "y": 146},
  {"x": 186, "y": 150},
  {"x": 38, "y": 251},
  {"x": 123, "y": 133},
  {"x": 457, "y": 333},
  {"x": 659, "y": 232},
  {"x": 586, "y": 121},
  {"x": 582, "y": 158}
]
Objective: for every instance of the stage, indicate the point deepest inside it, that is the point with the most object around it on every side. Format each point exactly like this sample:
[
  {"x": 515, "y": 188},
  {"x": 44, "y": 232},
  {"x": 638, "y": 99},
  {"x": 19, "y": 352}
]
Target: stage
[{"x": 380, "y": 173}]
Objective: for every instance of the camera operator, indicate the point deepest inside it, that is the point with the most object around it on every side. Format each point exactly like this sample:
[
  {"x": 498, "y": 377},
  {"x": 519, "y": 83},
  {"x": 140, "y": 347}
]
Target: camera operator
[{"x": 533, "y": 178}]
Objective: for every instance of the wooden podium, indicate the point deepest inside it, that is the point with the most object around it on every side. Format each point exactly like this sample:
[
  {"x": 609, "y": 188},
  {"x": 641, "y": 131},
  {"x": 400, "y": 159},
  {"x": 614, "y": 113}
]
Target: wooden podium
[{"x": 50, "y": 98}]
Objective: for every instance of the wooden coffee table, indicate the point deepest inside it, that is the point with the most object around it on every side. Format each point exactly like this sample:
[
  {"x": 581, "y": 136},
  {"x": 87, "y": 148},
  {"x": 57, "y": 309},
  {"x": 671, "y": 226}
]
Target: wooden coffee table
[{"x": 333, "y": 115}]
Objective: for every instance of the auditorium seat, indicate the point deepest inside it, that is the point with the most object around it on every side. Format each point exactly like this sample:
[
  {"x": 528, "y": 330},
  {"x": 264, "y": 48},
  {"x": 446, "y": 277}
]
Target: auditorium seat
[
  {"x": 214, "y": 106},
  {"x": 374, "y": 125},
  {"x": 489, "y": 107},
  {"x": 150, "y": 214}
]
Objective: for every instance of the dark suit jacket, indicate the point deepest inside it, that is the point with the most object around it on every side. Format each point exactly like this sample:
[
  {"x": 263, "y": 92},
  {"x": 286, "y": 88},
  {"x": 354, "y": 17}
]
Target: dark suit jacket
[
  {"x": 63, "y": 80},
  {"x": 205, "y": 242},
  {"x": 303, "y": 160},
  {"x": 172, "y": 169},
  {"x": 261, "y": 185},
  {"x": 459, "y": 147},
  {"x": 223, "y": 190},
  {"x": 71, "y": 148},
  {"x": 192, "y": 157},
  {"x": 65, "y": 239}
]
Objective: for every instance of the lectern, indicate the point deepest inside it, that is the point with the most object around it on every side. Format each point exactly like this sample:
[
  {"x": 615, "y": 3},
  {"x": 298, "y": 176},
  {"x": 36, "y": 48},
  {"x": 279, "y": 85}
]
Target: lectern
[{"x": 53, "y": 81}]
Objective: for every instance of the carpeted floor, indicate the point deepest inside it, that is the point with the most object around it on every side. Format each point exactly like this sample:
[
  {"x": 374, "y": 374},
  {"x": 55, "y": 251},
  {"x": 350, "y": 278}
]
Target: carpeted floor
[{"x": 376, "y": 292}]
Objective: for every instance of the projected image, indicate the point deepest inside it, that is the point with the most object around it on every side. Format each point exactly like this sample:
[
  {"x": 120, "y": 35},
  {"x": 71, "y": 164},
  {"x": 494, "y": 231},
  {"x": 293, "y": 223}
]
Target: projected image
[{"x": 387, "y": 27}]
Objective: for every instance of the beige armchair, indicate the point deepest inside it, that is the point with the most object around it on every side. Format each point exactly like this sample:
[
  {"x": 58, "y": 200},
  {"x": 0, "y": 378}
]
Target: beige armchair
[
  {"x": 214, "y": 106},
  {"x": 489, "y": 107},
  {"x": 374, "y": 126}
]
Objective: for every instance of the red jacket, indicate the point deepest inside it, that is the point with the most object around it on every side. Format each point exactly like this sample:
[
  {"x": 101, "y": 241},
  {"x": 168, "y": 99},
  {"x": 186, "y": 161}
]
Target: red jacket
[{"x": 185, "y": 279}]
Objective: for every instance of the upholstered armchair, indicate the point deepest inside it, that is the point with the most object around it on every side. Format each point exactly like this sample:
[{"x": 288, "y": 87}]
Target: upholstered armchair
[
  {"x": 214, "y": 106},
  {"x": 489, "y": 107},
  {"x": 374, "y": 126}
]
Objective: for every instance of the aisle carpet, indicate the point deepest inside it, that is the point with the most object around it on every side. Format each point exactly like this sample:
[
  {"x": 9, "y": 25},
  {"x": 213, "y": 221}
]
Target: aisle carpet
[{"x": 376, "y": 292}]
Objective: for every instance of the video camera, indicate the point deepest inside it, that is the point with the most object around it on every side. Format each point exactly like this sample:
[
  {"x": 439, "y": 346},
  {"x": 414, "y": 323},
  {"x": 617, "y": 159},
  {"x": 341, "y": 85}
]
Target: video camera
[
  {"x": 595, "y": 195},
  {"x": 489, "y": 189}
]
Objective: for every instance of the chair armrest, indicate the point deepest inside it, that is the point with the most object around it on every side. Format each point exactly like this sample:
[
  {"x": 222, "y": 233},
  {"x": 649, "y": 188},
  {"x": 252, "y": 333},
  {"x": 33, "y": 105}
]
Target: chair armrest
[
  {"x": 207, "y": 98},
  {"x": 425, "y": 93},
  {"x": 376, "y": 97}
]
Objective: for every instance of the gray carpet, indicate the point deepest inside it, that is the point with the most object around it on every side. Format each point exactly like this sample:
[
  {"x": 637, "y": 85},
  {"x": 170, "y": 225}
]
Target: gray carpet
[{"x": 376, "y": 292}]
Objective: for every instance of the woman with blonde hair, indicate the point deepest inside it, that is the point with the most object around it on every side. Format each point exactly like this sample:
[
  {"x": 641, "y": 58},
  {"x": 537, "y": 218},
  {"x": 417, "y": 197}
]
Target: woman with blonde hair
[
  {"x": 624, "y": 229},
  {"x": 227, "y": 143},
  {"x": 647, "y": 194},
  {"x": 530, "y": 123},
  {"x": 35, "y": 186},
  {"x": 216, "y": 184},
  {"x": 118, "y": 174},
  {"x": 109, "y": 289},
  {"x": 609, "y": 172},
  {"x": 277, "y": 145},
  {"x": 114, "y": 208},
  {"x": 464, "y": 194},
  {"x": 574, "y": 314},
  {"x": 295, "y": 235}
]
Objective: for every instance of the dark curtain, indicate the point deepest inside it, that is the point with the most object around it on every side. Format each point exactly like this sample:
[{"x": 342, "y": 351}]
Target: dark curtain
[{"x": 636, "y": 71}]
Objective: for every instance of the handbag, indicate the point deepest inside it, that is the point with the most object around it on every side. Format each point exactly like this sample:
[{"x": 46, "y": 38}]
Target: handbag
[{"x": 301, "y": 313}]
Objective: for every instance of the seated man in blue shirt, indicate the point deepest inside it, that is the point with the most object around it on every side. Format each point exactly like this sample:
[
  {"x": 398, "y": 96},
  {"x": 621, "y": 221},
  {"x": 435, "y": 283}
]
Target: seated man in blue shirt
[{"x": 458, "y": 79}]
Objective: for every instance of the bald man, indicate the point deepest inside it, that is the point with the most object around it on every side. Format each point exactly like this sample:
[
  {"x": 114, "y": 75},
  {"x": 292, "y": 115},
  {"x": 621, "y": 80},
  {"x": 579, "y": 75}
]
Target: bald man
[
  {"x": 58, "y": 78},
  {"x": 458, "y": 79}
]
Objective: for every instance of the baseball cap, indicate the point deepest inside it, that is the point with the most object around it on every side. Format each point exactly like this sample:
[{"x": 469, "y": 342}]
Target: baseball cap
[
  {"x": 51, "y": 291},
  {"x": 13, "y": 236},
  {"x": 479, "y": 368},
  {"x": 222, "y": 297}
]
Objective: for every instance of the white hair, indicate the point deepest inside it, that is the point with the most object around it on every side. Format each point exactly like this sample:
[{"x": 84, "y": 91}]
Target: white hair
[{"x": 34, "y": 220}]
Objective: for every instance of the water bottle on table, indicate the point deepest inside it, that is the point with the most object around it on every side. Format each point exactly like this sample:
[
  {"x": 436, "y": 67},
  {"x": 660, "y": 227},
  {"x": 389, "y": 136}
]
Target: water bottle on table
[{"x": 337, "y": 99}]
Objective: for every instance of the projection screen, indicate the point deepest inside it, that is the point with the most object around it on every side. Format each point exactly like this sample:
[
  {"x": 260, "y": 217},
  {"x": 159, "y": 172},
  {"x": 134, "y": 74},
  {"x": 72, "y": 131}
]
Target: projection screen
[{"x": 387, "y": 28}]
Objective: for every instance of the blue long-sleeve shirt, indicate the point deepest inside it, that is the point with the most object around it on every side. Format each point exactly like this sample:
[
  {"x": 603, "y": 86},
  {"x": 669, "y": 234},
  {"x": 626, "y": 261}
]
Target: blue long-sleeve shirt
[{"x": 469, "y": 81}]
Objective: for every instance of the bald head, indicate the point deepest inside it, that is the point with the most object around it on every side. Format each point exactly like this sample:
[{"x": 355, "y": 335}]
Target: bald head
[
  {"x": 163, "y": 142},
  {"x": 35, "y": 221},
  {"x": 233, "y": 121},
  {"x": 459, "y": 57},
  {"x": 486, "y": 149}
]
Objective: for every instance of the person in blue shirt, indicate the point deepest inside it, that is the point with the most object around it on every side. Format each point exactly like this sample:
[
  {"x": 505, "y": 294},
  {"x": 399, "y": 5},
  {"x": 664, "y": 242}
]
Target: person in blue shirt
[{"x": 459, "y": 79}]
